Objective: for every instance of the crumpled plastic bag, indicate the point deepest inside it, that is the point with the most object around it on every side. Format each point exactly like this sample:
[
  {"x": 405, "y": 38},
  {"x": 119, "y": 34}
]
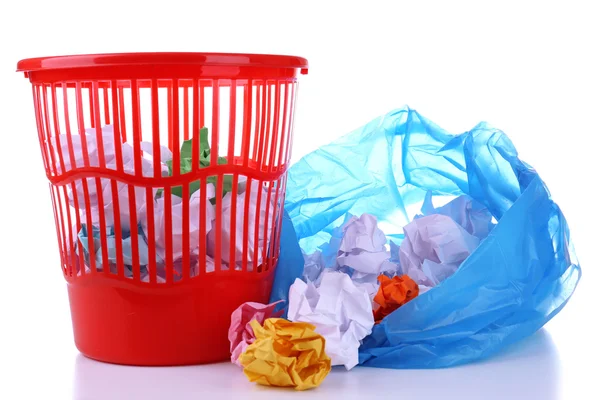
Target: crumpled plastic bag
[
  {"x": 313, "y": 266},
  {"x": 518, "y": 278}
]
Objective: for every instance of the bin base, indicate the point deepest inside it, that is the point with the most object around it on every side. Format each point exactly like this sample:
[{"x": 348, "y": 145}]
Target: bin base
[{"x": 177, "y": 324}]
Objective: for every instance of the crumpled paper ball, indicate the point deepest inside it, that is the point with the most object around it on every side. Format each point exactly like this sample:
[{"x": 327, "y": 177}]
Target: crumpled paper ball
[
  {"x": 393, "y": 293},
  {"x": 241, "y": 334},
  {"x": 286, "y": 354},
  {"x": 433, "y": 249},
  {"x": 473, "y": 216},
  {"x": 362, "y": 248},
  {"x": 340, "y": 310}
]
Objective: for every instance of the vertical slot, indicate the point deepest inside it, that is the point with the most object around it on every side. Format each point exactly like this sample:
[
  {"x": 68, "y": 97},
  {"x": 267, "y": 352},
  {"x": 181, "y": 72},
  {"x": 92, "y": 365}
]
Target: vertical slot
[
  {"x": 70, "y": 235},
  {"x": 135, "y": 117},
  {"x": 55, "y": 118},
  {"x": 66, "y": 106},
  {"x": 224, "y": 120},
  {"x": 290, "y": 129},
  {"x": 174, "y": 126},
  {"x": 185, "y": 89},
  {"x": 258, "y": 95},
  {"x": 262, "y": 128},
  {"x": 257, "y": 267},
  {"x": 232, "y": 119},
  {"x": 214, "y": 129},
  {"x": 114, "y": 190},
  {"x": 276, "y": 217},
  {"x": 185, "y": 232},
  {"x": 117, "y": 136},
  {"x": 202, "y": 104},
  {"x": 279, "y": 222},
  {"x": 88, "y": 108},
  {"x": 207, "y": 100},
  {"x": 81, "y": 125},
  {"x": 98, "y": 182},
  {"x": 40, "y": 127},
  {"x": 145, "y": 100},
  {"x": 202, "y": 215},
  {"x": 97, "y": 123},
  {"x": 126, "y": 116},
  {"x": 81, "y": 260},
  {"x": 89, "y": 227},
  {"x": 106, "y": 103},
  {"x": 283, "y": 113},
  {"x": 268, "y": 135},
  {"x": 124, "y": 100},
  {"x": 133, "y": 230},
  {"x": 168, "y": 232},
  {"x": 102, "y": 221},
  {"x": 155, "y": 108},
  {"x": 50, "y": 138},
  {"x": 218, "y": 223},
  {"x": 239, "y": 120},
  {"x": 266, "y": 233},
  {"x": 247, "y": 127},
  {"x": 245, "y": 236},
  {"x": 233, "y": 225},
  {"x": 60, "y": 226},
  {"x": 151, "y": 235},
  {"x": 275, "y": 133}
]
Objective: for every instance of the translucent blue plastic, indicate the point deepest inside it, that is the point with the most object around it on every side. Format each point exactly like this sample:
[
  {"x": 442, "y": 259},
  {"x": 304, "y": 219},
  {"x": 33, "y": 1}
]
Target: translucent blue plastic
[
  {"x": 520, "y": 276},
  {"x": 289, "y": 265}
]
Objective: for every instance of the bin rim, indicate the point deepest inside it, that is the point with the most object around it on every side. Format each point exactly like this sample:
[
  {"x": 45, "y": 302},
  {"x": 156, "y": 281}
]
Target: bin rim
[{"x": 162, "y": 58}]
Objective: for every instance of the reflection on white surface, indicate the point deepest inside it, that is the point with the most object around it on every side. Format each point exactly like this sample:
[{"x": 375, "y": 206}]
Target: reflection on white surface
[{"x": 528, "y": 370}]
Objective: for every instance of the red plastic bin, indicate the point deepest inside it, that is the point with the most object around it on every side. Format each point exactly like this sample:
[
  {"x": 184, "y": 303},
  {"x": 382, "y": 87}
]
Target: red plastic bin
[{"x": 146, "y": 209}]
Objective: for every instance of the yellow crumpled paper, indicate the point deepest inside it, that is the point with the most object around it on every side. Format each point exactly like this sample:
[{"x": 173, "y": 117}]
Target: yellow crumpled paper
[{"x": 287, "y": 354}]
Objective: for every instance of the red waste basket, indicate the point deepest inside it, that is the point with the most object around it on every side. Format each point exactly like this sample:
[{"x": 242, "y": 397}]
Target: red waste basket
[{"x": 167, "y": 174}]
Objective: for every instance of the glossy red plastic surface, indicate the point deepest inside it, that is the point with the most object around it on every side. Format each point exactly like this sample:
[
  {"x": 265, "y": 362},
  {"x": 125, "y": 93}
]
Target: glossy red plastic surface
[
  {"x": 180, "y": 325},
  {"x": 174, "y": 310}
]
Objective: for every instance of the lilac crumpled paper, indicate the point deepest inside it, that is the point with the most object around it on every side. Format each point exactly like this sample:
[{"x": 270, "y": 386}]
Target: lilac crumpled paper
[
  {"x": 341, "y": 312},
  {"x": 362, "y": 248},
  {"x": 473, "y": 216},
  {"x": 438, "y": 241},
  {"x": 357, "y": 248},
  {"x": 433, "y": 248},
  {"x": 241, "y": 334}
]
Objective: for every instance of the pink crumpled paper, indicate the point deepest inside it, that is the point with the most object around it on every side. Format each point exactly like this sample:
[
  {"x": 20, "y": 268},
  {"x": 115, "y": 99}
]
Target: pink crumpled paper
[{"x": 241, "y": 334}]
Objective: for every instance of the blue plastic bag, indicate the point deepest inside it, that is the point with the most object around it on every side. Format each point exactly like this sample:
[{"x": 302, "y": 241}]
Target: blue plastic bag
[
  {"x": 289, "y": 265},
  {"x": 519, "y": 277}
]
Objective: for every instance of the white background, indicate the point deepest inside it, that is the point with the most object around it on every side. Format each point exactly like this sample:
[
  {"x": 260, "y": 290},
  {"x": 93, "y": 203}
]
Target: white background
[{"x": 530, "y": 68}]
